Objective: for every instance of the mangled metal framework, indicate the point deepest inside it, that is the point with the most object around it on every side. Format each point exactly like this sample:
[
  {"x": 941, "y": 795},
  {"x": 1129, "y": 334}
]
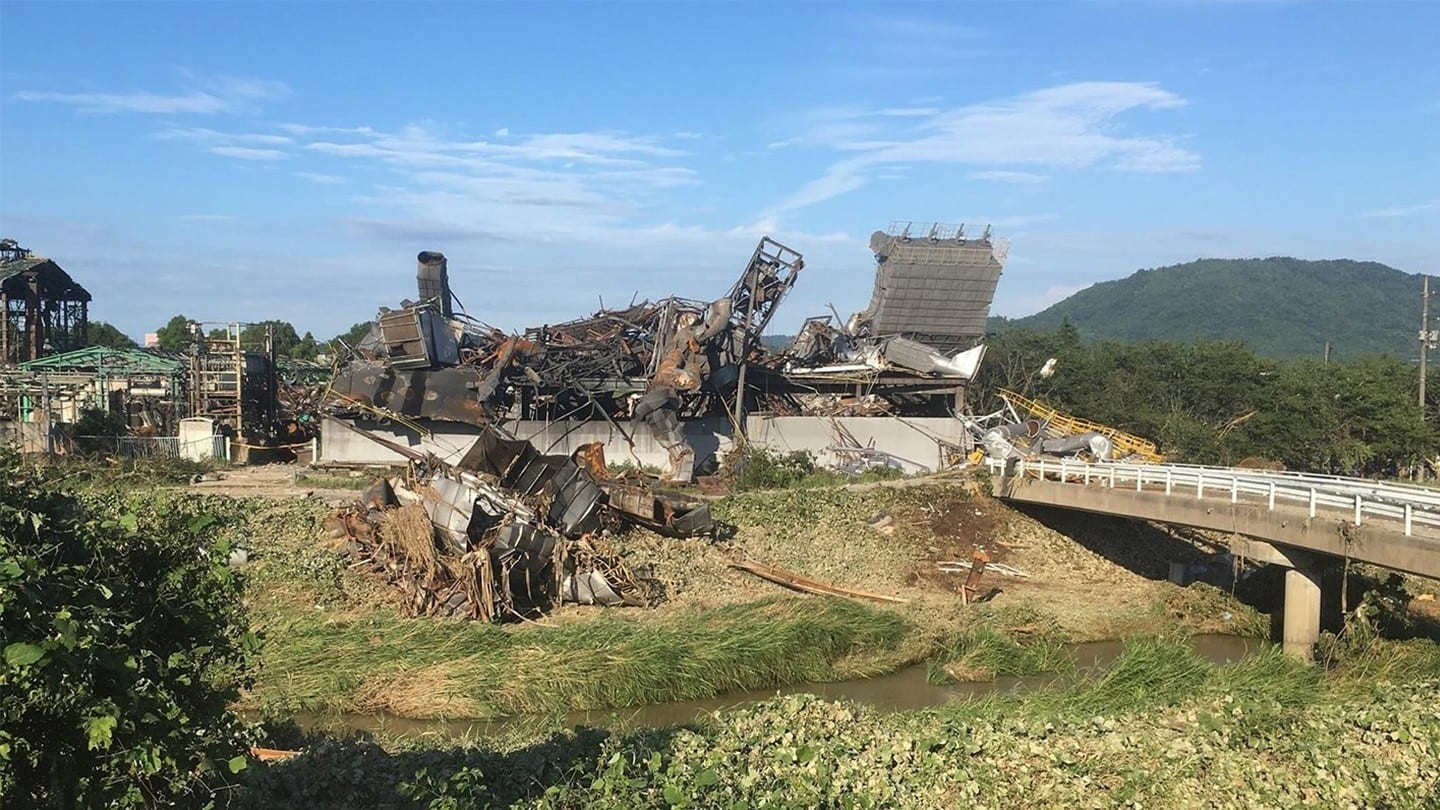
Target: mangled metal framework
[
  {"x": 1028, "y": 428},
  {"x": 916, "y": 341},
  {"x": 43, "y": 310},
  {"x": 145, "y": 388},
  {"x": 658, "y": 363},
  {"x": 511, "y": 532}
]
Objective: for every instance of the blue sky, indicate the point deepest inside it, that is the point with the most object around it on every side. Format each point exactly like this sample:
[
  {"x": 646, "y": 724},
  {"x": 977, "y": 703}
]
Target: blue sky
[{"x": 243, "y": 161}]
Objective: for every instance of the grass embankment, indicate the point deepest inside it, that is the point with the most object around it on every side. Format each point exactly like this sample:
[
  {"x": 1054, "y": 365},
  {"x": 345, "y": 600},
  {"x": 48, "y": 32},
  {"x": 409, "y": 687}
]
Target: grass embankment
[
  {"x": 1160, "y": 728},
  {"x": 335, "y": 644},
  {"x": 421, "y": 668}
]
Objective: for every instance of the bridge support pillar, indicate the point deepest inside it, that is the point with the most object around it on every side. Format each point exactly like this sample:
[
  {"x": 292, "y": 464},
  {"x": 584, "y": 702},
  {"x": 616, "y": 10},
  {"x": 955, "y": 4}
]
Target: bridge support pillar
[{"x": 1302, "y": 612}]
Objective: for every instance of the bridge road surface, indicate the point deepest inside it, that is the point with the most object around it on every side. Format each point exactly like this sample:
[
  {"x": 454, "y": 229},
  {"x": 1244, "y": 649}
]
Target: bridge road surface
[{"x": 1296, "y": 520}]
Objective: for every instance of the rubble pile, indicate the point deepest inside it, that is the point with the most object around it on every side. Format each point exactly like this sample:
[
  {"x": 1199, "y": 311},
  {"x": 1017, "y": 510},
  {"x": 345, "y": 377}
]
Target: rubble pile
[
  {"x": 658, "y": 363},
  {"x": 508, "y": 533},
  {"x": 1027, "y": 427}
]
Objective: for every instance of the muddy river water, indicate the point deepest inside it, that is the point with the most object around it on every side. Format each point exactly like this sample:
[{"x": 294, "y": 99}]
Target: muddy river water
[{"x": 905, "y": 689}]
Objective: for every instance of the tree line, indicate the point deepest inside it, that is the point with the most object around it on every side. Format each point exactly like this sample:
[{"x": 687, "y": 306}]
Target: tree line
[
  {"x": 1217, "y": 402},
  {"x": 175, "y": 336}
]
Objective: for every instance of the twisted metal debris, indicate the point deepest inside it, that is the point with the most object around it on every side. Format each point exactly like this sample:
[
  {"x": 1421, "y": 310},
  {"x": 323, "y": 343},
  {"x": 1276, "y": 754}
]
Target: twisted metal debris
[
  {"x": 508, "y": 533},
  {"x": 658, "y": 363}
]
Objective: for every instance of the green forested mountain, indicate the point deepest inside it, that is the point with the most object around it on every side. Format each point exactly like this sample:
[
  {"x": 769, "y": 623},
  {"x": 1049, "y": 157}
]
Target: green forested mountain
[{"x": 1280, "y": 307}]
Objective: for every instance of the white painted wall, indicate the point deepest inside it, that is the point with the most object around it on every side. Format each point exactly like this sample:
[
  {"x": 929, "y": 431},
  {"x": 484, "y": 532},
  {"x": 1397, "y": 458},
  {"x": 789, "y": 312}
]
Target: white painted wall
[{"x": 914, "y": 440}]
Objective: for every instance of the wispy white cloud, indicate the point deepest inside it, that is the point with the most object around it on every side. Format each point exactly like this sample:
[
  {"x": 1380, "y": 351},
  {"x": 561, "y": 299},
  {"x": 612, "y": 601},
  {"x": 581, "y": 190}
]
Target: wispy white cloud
[
  {"x": 201, "y": 96},
  {"x": 310, "y": 131},
  {"x": 903, "y": 28},
  {"x": 1004, "y": 176},
  {"x": 210, "y": 136},
  {"x": 1403, "y": 210},
  {"x": 886, "y": 47},
  {"x": 908, "y": 112},
  {"x": 1069, "y": 126},
  {"x": 323, "y": 179},
  {"x": 574, "y": 186},
  {"x": 248, "y": 153}
]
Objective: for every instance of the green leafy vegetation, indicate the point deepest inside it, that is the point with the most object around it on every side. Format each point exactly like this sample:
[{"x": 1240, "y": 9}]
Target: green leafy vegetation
[
  {"x": 175, "y": 336},
  {"x": 124, "y": 641},
  {"x": 105, "y": 473},
  {"x": 1160, "y": 728},
  {"x": 752, "y": 467},
  {"x": 100, "y": 333},
  {"x": 1218, "y": 403},
  {"x": 330, "y": 481},
  {"x": 1280, "y": 307},
  {"x": 424, "y": 668}
]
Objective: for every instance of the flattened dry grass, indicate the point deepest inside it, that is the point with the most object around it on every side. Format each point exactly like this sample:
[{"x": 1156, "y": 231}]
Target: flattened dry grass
[
  {"x": 429, "y": 669},
  {"x": 409, "y": 532}
]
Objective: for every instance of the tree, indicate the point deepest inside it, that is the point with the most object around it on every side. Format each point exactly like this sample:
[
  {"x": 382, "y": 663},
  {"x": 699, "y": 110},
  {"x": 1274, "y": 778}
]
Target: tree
[
  {"x": 306, "y": 349},
  {"x": 174, "y": 336},
  {"x": 124, "y": 641},
  {"x": 106, "y": 335},
  {"x": 357, "y": 333},
  {"x": 283, "y": 333}
]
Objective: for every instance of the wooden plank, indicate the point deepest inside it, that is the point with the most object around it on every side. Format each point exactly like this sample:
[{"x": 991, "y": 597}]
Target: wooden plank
[{"x": 795, "y": 581}]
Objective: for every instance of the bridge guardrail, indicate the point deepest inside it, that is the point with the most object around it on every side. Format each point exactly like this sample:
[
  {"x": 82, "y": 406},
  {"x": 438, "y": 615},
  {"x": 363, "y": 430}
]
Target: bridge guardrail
[{"x": 1409, "y": 505}]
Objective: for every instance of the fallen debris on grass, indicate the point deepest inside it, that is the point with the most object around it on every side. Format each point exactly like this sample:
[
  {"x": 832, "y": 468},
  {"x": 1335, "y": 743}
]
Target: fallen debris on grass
[
  {"x": 508, "y": 533},
  {"x": 804, "y": 584}
]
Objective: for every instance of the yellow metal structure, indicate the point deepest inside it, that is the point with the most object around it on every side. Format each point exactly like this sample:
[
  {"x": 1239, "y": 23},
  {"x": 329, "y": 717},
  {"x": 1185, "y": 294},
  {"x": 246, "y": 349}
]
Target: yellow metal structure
[{"x": 1062, "y": 424}]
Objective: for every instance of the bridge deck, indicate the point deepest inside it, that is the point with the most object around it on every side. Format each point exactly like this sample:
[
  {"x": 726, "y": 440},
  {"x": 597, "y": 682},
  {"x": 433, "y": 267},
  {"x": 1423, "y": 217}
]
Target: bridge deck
[{"x": 1395, "y": 526}]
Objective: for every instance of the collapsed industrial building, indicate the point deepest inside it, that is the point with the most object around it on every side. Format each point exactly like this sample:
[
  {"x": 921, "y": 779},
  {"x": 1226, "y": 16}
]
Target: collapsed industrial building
[
  {"x": 506, "y": 498},
  {"x": 687, "y": 377},
  {"x": 516, "y": 527}
]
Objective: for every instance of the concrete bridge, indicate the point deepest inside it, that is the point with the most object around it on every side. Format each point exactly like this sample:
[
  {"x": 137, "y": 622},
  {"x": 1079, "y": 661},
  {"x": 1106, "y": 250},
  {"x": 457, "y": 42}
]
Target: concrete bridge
[{"x": 1302, "y": 522}]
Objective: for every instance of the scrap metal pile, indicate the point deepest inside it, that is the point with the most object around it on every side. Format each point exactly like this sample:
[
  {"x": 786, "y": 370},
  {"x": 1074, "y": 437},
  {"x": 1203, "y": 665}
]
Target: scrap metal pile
[
  {"x": 1028, "y": 427},
  {"x": 507, "y": 533},
  {"x": 657, "y": 363}
]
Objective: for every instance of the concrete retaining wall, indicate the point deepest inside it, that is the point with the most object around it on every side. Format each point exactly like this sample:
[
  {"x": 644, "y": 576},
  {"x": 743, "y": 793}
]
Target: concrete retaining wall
[{"x": 911, "y": 439}]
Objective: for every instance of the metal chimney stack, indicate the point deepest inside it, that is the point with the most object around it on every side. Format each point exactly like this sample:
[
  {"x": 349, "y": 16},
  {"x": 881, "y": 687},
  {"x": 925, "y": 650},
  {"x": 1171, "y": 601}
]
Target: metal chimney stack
[{"x": 433, "y": 276}]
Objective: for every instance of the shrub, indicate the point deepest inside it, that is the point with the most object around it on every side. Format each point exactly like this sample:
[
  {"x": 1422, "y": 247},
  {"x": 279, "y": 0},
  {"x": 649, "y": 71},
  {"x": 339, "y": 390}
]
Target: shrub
[
  {"x": 124, "y": 642},
  {"x": 753, "y": 467}
]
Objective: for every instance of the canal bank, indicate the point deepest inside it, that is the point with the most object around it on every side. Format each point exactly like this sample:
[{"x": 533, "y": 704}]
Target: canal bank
[
  {"x": 336, "y": 642},
  {"x": 1160, "y": 727}
]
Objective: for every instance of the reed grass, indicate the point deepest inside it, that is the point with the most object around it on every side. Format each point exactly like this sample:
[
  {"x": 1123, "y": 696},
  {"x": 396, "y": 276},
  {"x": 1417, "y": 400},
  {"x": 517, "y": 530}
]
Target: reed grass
[{"x": 428, "y": 669}]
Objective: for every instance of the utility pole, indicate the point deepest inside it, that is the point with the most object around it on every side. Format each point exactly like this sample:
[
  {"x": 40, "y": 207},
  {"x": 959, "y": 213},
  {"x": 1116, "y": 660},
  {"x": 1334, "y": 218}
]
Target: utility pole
[{"x": 1424, "y": 339}]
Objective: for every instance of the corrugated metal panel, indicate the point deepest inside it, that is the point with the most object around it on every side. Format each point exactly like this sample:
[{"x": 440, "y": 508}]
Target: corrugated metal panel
[{"x": 940, "y": 289}]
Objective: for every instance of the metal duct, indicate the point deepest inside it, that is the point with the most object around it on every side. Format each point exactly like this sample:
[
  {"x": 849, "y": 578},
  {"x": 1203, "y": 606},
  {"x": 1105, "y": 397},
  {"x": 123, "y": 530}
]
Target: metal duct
[{"x": 433, "y": 276}]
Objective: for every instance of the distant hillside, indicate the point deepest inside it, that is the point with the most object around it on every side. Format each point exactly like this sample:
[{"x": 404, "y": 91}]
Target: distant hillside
[{"x": 1280, "y": 307}]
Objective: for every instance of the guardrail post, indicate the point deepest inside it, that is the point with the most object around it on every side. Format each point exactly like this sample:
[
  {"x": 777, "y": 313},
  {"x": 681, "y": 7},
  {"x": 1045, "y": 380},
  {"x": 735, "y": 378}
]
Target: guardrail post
[
  {"x": 1408, "y": 517},
  {"x": 1112, "y": 477},
  {"x": 1312, "y": 502},
  {"x": 1087, "y": 475},
  {"x": 1200, "y": 486},
  {"x": 1042, "y": 469},
  {"x": 1357, "y": 509},
  {"x": 1234, "y": 490},
  {"x": 1139, "y": 478},
  {"x": 1272, "y": 496},
  {"x": 1169, "y": 482}
]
